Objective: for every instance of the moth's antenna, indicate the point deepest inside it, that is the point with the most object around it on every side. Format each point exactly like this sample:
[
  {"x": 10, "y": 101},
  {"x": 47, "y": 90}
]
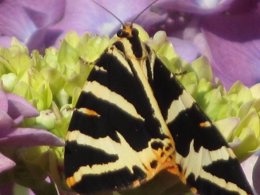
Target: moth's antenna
[
  {"x": 136, "y": 17},
  {"x": 122, "y": 23}
]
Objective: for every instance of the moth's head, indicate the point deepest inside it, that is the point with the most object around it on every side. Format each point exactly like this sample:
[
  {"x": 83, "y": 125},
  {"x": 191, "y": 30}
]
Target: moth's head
[{"x": 127, "y": 31}]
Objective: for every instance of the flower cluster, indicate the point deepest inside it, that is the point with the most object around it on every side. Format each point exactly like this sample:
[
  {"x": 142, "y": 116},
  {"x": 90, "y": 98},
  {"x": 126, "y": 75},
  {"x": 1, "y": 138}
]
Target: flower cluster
[{"x": 51, "y": 80}]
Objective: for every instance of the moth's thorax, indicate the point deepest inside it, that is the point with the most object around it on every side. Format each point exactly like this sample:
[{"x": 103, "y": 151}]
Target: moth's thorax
[
  {"x": 127, "y": 31},
  {"x": 130, "y": 43}
]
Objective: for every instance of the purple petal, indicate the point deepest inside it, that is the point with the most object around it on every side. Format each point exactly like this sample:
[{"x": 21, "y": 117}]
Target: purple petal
[
  {"x": 25, "y": 137},
  {"x": 5, "y": 163},
  {"x": 29, "y": 17},
  {"x": 86, "y": 16},
  {"x": 3, "y": 101},
  {"x": 43, "y": 38},
  {"x": 44, "y": 13},
  {"x": 186, "y": 49},
  {"x": 196, "y": 6},
  {"x": 21, "y": 27},
  {"x": 256, "y": 176},
  {"x": 242, "y": 6},
  {"x": 152, "y": 21},
  {"x": 5, "y": 41},
  {"x": 18, "y": 106},
  {"x": 18, "y": 120},
  {"x": 6, "y": 123},
  {"x": 233, "y": 47},
  {"x": 31, "y": 192}
]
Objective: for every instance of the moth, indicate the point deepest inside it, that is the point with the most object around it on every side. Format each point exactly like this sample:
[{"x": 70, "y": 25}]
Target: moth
[{"x": 134, "y": 119}]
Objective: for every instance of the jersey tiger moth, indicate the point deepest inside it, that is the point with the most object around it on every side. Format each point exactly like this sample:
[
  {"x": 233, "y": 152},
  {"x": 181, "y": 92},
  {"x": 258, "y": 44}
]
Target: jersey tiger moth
[{"x": 134, "y": 119}]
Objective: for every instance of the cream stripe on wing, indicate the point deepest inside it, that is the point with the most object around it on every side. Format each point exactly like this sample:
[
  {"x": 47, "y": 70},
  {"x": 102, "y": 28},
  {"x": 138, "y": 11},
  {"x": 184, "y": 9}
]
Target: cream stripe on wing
[
  {"x": 151, "y": 57},
  {"x": 83, "y": 139},
  {"x": 100, "y": 69},
  {"x": 104, "y": 93},
  {"x": 182, "y": 103},
  {"x": 194, "y": 162},
  {"x": 121, "y": 58},
  {"x": 204, "y": 157},
  {"x": 229, "y": 186}
]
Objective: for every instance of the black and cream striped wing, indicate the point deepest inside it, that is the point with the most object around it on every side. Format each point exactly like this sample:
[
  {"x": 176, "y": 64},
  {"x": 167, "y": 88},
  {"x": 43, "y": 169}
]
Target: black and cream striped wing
[
  {"x": 133, "y": 119},
  {"x": 207, "y": 163},
  {"x": 117, "y": 137}
]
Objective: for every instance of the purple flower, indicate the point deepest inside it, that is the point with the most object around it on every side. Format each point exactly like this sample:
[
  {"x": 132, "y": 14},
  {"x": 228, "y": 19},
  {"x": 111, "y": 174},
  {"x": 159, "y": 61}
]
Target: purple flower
[
  {"x": 13, "y": 109},
  {"x": 5, "y": 163}
]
